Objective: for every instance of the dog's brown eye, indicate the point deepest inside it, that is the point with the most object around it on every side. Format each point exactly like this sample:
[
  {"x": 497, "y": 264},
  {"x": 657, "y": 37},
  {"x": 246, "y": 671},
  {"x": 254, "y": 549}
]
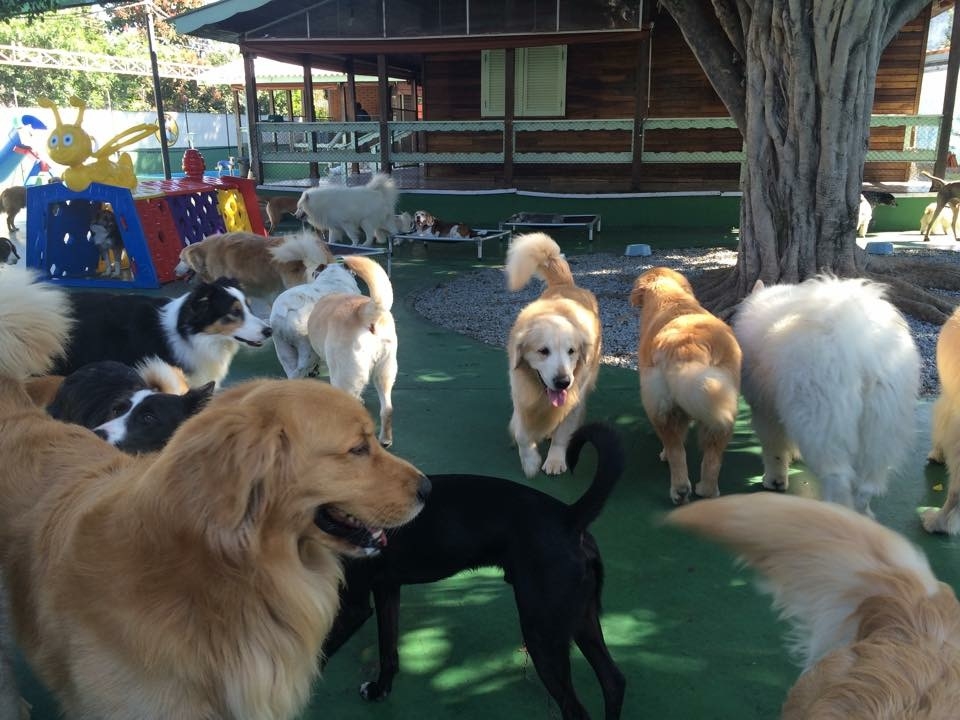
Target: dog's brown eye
[
  {"x": 361, "y": 449},
  {"x": 544, "y": 351},
  {"x": 119, "y": 409}
]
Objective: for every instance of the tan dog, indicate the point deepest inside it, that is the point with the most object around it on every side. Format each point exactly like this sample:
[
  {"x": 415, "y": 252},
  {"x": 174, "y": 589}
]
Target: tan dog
[
  {"x": 878, "y": 634},
  {"x": 197, "y": 582},
  {"x": 945, "y": 430},
  {"x": 264, "y": 266},
  {"x": 12, "y": 200},
  {"x": 554, "y": 352},
  {"x": 944, "y": 223},
  {"x": 277, "y": 206},
  {"x": 948, "y": 193},
  {"x": 689, "y": 364},
  {"x": 356, "y": 337}
]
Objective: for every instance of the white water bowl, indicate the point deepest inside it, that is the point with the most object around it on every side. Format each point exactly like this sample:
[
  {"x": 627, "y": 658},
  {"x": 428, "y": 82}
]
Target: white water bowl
[{"x": 637, "y": 250}]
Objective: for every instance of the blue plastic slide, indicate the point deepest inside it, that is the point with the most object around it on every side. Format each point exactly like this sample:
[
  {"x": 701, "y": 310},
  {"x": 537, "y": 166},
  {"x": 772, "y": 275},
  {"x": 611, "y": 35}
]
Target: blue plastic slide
[{"x": 14, "y": 151}]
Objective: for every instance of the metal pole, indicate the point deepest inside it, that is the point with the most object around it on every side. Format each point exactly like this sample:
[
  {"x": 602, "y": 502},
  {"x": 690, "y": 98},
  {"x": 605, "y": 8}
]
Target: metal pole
[
  {"x": 157, "y": 99},
  {"x": 949, "y": 98}
]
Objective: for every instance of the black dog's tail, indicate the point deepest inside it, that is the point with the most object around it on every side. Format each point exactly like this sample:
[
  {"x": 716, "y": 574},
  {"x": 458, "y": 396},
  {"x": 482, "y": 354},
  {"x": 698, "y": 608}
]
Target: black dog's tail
[{"x": 610, "y": 462}]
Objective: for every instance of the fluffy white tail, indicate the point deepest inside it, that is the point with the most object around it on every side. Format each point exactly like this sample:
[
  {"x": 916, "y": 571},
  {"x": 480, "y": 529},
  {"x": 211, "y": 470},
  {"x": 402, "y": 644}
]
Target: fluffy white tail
[
  {"x": 303, "y": 246},
  {"x": 821, "y": 560},
  {"x": 384, "y": 183},
  {"x": 35, "y": 323},
  {"x": 536, "y": 254}
]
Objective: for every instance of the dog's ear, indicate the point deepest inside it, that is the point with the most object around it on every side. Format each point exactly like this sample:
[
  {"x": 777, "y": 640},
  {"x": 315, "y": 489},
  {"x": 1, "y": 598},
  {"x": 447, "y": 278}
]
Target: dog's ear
[
  {"x": 757, "y": 286},
  {"x": 196, "y": 398},
  {"x": 636, "y": 295}
]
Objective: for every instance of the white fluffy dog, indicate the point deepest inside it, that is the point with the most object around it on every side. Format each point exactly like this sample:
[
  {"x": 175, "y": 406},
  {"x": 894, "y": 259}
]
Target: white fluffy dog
[
  {"x": 356, "y": 337},
  {"x": 943, "y": 225},
  {"x": 350, "y": 210},
  {"x": 829, "y": 368},
  {"x": 291, "y": 312}
]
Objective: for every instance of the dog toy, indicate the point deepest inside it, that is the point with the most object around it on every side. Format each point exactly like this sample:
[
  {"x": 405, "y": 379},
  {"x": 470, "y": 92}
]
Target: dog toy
[{"x": 71, "y": 145}]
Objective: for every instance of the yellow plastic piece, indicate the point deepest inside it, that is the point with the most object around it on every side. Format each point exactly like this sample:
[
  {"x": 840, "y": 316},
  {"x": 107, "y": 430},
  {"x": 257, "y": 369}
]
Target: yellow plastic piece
[{"x": 233, "y": 210}]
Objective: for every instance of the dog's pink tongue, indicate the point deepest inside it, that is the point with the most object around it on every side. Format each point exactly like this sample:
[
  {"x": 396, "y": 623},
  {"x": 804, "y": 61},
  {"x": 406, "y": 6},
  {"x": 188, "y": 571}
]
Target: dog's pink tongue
[{"x": 557, "y": 397}]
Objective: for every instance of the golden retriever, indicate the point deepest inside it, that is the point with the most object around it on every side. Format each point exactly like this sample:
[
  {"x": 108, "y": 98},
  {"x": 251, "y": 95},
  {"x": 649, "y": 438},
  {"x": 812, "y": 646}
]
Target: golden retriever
[
  {"x": 194, "y": 583},
  {"x": 554, "y": 353},
  {"x": 356, "y": 337},
  {"x": 943, "y": 224},
  {"x": 878, "y": 634},
  {"x": 945, "y": 430},
  {"x": 264, "y": 266},
  {"x": 689, "y": 364}
]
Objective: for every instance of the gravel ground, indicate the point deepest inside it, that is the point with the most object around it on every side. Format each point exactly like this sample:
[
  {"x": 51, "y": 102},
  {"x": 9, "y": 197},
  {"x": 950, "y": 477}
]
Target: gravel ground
[{"x": 477, "y": 304}]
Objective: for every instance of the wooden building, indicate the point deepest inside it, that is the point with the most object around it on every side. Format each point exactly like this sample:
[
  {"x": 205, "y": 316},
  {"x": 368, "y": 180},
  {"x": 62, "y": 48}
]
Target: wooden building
[{"x": 606, "y": 95}]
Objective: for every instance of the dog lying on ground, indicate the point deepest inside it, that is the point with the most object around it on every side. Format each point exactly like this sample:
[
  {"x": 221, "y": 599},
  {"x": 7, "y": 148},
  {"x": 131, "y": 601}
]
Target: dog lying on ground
[
  {"x": 197, "y": 582},
  {"x": 544, "y": 548},
  {"x": 689, "y": 365},
  {"x": 105, "y": 233},
  {"x": 12, "y": 200},
  {"x": 290, "y": 315},
  {"x": 277, "y": 206},
  {"x": 350, "y": 210},
  {"x": 878, "y": 634},
  {"x": 135, "y": 409},
  {"x": 944, "y": 223},
  {"x": 199, "y": 332},
  {"x": 945, "y": 427},
  {"x": 879, "y": 197},
  {"x": 356, "y": 337},
  {"x": 948, "y": 193},
  {"x": 8, "y": 249},
  {"x": 264, "y": 267},
  {"x": 829, "y": 368},
  {"x": 554, "y": 353},
  {"x": 425, "y": 224}
]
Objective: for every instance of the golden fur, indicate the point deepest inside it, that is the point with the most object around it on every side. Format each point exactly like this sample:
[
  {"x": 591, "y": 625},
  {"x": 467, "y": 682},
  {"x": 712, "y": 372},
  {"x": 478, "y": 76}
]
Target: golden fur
[
  {"x": 554, "y": 340},
  {"x": 264, "y": 266},
  {"x": 193, "y": 583},
  {"x": 689, "y": 366},
  {"x": 879, "y": 635},
  {"x": 277, "y": 206},
  {"x": 945, "y": 428},
  {"x": 355, "y": 335}
]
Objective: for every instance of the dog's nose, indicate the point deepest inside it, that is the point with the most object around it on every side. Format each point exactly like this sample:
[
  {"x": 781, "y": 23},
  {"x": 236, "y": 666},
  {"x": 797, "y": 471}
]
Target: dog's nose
[
  {"x": 100, "y": 434},
  {"x": 423, "y": 490},
  {"x": 561, "y": 382},
  {"x": 267, "y": 331}
]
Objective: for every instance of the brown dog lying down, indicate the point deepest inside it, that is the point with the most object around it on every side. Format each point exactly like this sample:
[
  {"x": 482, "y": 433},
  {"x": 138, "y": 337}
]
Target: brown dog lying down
[
  {"x": 264, "y": 266},
  {"x": 879, "y": 635},
  {"x": 199, "y": 581}
]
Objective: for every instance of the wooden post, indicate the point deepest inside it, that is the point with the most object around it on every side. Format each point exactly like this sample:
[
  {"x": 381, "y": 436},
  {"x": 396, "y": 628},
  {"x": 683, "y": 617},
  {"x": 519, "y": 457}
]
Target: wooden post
[
  {"x": 509, "y": 100},
  {"x": 309, "y": 115},
  {"x": 949, "y": 97},
  {"x": 386, "y": 112},
  {"x": 250, "y": 87},
  {"x": 641, "y": 99},
  {"x": 350, "y": 106}
]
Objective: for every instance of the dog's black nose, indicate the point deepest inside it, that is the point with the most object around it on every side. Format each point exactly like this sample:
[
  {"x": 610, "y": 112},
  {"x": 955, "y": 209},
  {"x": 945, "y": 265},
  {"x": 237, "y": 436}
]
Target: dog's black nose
[
  {"x": 423, "y": 490},
  {"x": 561, "y": 382},
  {"x": 267, "y": 331},
  {"x": 100, "y": 434}
]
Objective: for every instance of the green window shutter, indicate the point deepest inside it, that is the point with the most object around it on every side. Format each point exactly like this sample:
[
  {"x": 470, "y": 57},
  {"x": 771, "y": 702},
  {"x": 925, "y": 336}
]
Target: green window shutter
[
  {"x": 540, "y": 82},
  {"x": 544, "y": 82}
]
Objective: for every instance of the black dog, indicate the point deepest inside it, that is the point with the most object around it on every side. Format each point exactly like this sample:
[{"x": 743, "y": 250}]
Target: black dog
[
  {"x": 541, "y": 544},
  {"x": 135, "y": 409},
  {"x": 7, "y": 248},
  {"x": 879, "y": 197}
]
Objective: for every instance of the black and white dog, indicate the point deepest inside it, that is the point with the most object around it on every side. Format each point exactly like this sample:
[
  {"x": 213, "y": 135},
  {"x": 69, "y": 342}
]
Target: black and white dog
[
  {"x": 199, "y": 332},
  {"x": 136, "y": 409}
]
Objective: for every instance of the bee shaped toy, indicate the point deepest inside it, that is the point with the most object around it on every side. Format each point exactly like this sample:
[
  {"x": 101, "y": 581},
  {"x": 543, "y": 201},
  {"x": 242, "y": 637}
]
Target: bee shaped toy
[{"x": 70, "y": 145}]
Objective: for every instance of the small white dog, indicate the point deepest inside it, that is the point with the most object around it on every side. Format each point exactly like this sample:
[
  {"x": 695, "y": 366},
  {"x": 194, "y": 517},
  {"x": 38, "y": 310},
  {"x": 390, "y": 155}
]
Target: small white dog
[
  {"x": 291, "y": 312},
  {"x": 943, "y": 225},
  {"x": 350, "y": 210},
  {"x": 829, "y": 368},
  {"x": 356, "y": 337},
  {"x": 864, "y": 216}
]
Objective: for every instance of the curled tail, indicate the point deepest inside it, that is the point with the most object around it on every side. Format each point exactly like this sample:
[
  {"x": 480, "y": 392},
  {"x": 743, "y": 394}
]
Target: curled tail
[
  {"x": 377, "y": 282},
  {"x": 822, "y": 562},
  {"x": 536, "y": 254},
  {"x": 610, "y": 463},
  {"x": 162, "y": 377},
  {"x": 35, "y": 322},
  {"x": 304, "y": 247},
  {"x": 937, "y": 182},
  {"x": 385, "y": 185}
]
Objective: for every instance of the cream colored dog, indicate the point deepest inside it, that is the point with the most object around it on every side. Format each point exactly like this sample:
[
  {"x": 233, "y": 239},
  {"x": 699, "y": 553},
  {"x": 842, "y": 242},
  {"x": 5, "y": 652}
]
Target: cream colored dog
[
  {"x": 554, "y": 352},
  {"x": 945, "y": 431},
  {"x": 943, "y": 225},
  {"x": 689, "y": 364},
  {"x": 356, "y": 337},
  {"x": 879, "y": 636}
]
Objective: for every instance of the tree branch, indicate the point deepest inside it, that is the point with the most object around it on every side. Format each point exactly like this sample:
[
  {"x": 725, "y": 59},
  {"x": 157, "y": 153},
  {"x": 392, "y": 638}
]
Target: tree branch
[
  {"x": 718, "y": 57},
  {"x": 901, "y": 12}
]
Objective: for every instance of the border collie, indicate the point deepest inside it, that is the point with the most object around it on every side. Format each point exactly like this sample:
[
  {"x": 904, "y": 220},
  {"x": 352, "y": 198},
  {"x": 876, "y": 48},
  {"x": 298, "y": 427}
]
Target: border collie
[
  {"x": 136, "y": 409},
  {"x": 199, "y": 332}
]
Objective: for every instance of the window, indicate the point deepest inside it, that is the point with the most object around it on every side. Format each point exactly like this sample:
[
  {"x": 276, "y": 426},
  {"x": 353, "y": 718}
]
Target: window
[{"x": 540, "y": 82}]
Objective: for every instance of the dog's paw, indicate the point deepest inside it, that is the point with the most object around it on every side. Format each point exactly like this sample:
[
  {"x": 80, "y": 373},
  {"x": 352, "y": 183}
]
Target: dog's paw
[
  {"x": 554, "y": 466},
  {"x": 530, "y": 460},
  {"x": 680, "y": 494},
  {"x": 371, "y": 691},
  {"x": 707, "y": 491},
  {"x": 936, "y": 456},
  {"x": 779, "y": 484}
]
